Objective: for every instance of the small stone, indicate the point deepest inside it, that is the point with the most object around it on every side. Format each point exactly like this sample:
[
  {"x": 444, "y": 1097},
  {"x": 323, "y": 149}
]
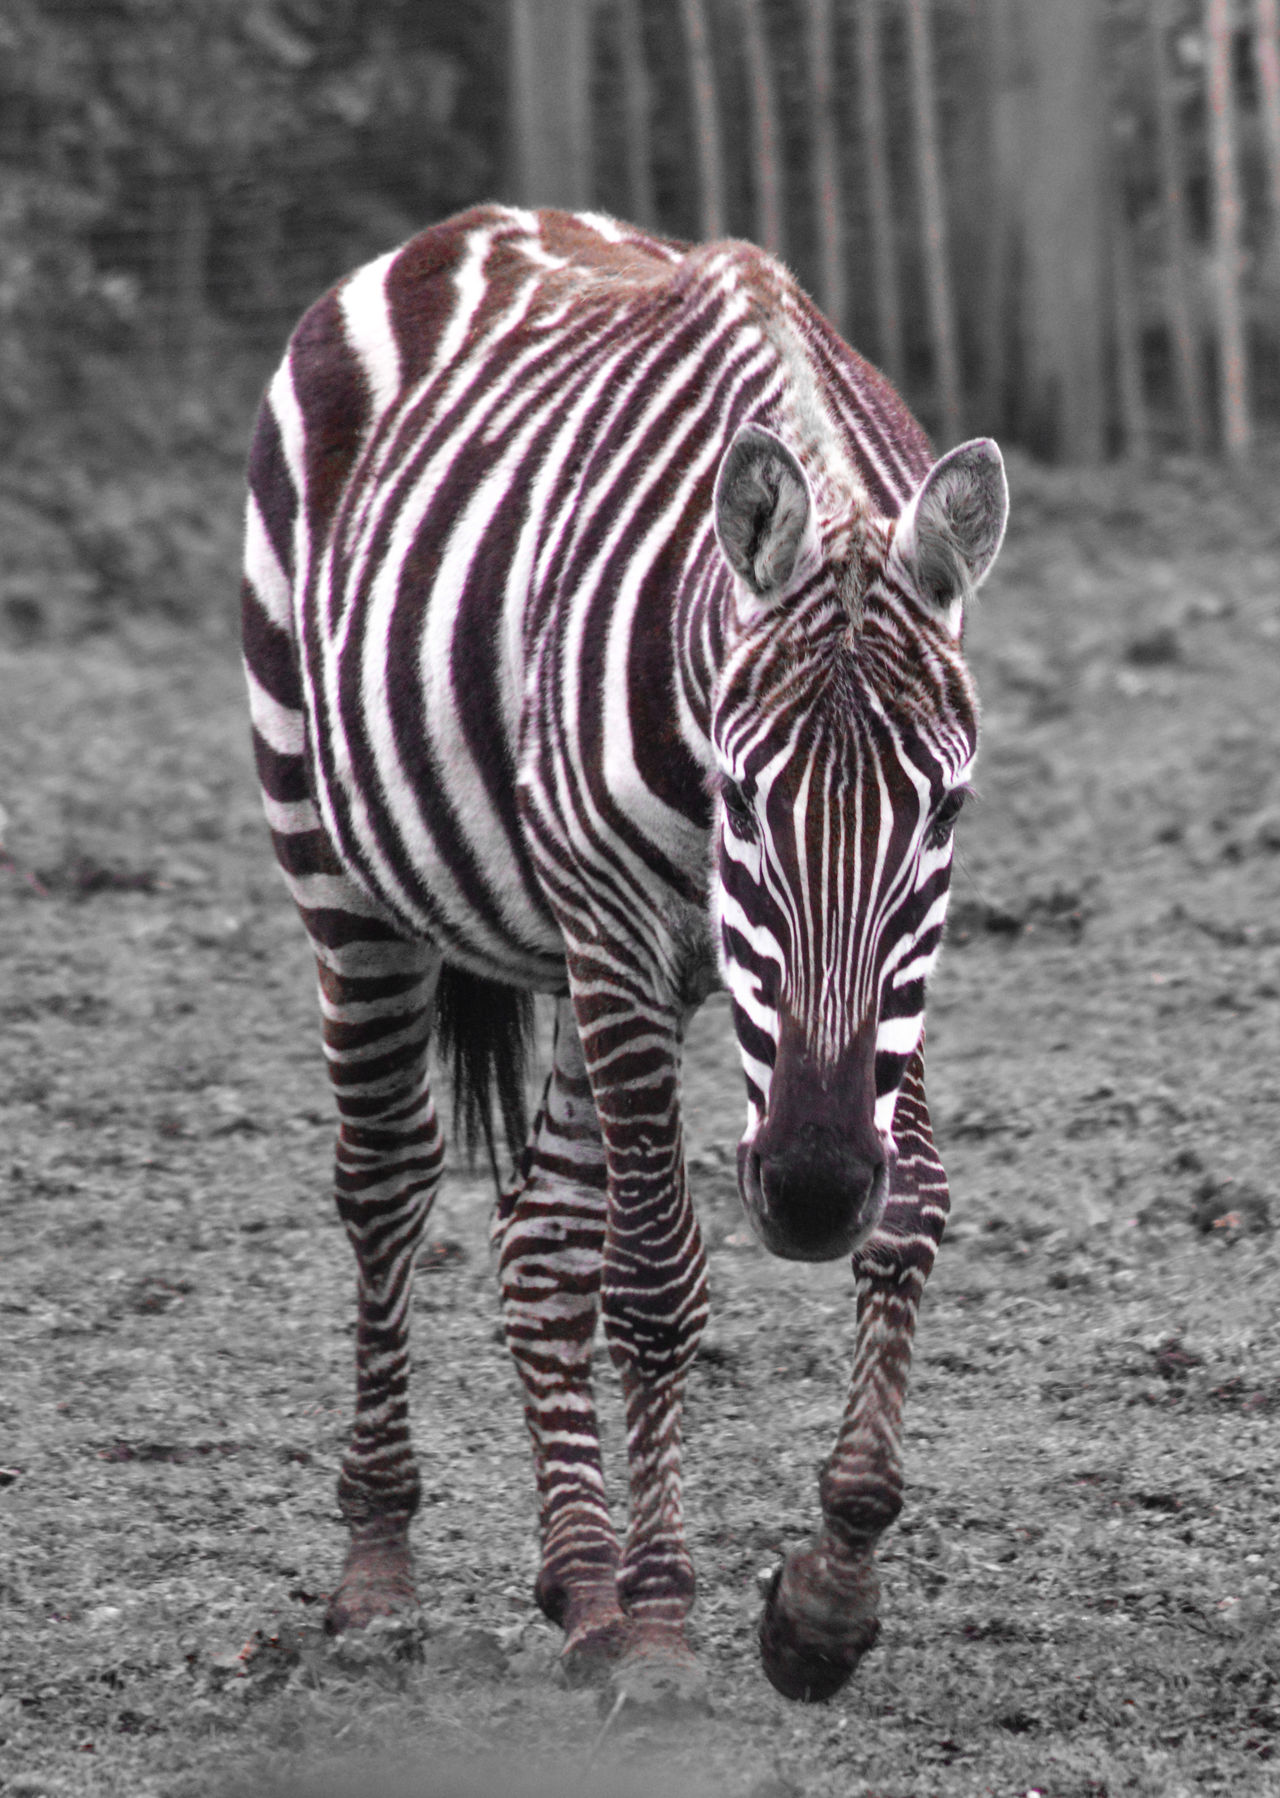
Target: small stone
[{"x": 1156, "y": 648}]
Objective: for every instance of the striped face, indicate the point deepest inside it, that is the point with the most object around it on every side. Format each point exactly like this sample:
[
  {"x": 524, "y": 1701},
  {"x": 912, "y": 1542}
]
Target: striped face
[{"x": 844, "y": 730}]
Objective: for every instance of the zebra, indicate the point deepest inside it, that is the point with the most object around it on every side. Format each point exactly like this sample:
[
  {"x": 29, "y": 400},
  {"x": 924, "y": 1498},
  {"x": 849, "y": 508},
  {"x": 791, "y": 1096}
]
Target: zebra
[{"x": 602, "y": 627}]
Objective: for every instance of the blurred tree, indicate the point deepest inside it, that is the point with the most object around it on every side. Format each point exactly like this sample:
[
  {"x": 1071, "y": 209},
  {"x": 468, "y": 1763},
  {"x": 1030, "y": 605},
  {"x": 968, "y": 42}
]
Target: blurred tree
[
  {"x": 1055, "y": 192},
  {"x": 1232, "y": 394},
  {"x": 178, "y": 178},
  {"x": 551, "y": 102},
  {"x": 996, "y": 305},
  {"x": 196, "y": 156},
  {"x": 942, "y": 325},
  {"x": 1267, "y": 51},
  {"x": 765, "y": 130},
  {"x": 828, "y": 200},
  {"x": 637, "y": 100},
  {"x": 1134, "y": 419},
  {"x": 1175, "y": 237},
  {"x": 888, "y": 310},
  {"x": 706, "y": 120}
]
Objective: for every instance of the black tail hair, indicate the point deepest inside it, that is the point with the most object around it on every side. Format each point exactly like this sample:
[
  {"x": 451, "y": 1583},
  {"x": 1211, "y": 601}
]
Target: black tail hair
[{"x": 483, "y": 1032}]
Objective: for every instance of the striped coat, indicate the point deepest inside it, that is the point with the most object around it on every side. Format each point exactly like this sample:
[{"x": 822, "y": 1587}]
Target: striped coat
[{"x": 602, "y": 627}]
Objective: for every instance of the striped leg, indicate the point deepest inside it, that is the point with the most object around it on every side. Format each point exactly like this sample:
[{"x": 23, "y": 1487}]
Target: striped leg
[
  {"x": 552, "y": 1238},
  {"x": 820, "y": 1617},
  {"x": 654, "y": 1302},
  {"x": 376, "y": 994}
]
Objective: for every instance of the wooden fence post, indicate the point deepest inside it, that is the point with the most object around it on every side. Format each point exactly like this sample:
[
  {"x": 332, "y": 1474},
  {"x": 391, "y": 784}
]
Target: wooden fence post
[
  {"x": 636, "y": 107},
  {"x": 1267, "y": 44},
  {"x": 1236, "y": 432},
  {"x": 1187, "y": 363},
  {"x": 1134, "y": 418},
  {"x": 998, "y": 323},
  {"x": 1057, "y": 193},
  {"x": 828, "y": 204},
  {"x": 884, "y": 251},
  {"x": 764, "y": 128},
  {"x": 933, "y": 206},
  {"x": 706, "y": 121},
  {"x": 551, "y": 102}
]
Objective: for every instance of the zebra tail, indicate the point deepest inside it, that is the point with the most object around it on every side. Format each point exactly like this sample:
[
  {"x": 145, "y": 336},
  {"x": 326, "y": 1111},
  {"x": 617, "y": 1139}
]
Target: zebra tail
[{"x": 484, "y": 1032}]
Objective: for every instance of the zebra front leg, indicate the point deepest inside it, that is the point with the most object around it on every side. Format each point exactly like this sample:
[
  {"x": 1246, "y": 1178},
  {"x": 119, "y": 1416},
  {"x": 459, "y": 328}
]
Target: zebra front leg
[
  {"x": 551, "y": 1231},
  {"x": 376, "y": 993},
  {"x": 821, "y": 1612}
]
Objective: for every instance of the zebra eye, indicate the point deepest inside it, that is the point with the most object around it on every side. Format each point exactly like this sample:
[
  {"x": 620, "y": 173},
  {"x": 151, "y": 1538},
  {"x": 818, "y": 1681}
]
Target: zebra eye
[
  {"x": 943, "y": 820},
  {"x": 738, "y": 806}
]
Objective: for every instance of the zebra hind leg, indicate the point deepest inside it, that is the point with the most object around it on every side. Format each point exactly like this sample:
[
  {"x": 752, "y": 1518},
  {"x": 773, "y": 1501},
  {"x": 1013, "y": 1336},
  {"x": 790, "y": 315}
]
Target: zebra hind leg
[
  {"x": 551, "y": 1231},
  {"x": 376, "y": 993}
]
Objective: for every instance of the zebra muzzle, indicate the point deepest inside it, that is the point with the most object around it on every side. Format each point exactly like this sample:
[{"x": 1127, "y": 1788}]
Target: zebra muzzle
[
  {"x": 816, "y": 1200},
  {"x": 815, "y": 1178}
]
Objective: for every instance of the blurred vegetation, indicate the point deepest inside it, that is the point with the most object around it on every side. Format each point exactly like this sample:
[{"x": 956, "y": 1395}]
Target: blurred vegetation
[{"x": 179, "y": 178}]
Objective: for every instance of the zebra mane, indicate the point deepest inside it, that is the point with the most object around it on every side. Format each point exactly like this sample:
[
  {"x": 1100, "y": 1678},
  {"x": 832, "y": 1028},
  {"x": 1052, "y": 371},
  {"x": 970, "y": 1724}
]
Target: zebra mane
[{"x": 775, "y": 306}]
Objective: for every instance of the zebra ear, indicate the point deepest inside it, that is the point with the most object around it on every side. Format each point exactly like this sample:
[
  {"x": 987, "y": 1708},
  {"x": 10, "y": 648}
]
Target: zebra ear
[
  {"x": 950, "y": 529},
  {"x": 763, "y": 510}
]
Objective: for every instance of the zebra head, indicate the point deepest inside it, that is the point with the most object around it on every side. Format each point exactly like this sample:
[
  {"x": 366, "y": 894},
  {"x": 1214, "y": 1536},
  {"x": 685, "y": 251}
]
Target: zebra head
[{"x": 844, "y": 729}]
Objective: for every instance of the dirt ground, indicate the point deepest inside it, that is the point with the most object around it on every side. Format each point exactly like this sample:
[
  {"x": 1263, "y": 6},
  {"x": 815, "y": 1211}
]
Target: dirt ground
[{"x": 1081, "y": 1598}]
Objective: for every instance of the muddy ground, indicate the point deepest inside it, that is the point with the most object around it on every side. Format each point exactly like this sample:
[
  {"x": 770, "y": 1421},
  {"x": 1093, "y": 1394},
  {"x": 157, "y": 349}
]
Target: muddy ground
[{"x": 1081, "y": 1597}]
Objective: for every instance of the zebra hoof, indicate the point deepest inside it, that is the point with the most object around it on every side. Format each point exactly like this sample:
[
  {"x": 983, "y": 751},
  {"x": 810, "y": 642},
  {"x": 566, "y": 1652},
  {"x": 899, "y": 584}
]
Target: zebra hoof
[
  {"x": 657, "y": 1679},
  {"x": 377, "y": 1581},
  {"x": 595, "y": 1629},
  {"x": 590, "y": 1651},
  {"x": 808, "y": 1652}
]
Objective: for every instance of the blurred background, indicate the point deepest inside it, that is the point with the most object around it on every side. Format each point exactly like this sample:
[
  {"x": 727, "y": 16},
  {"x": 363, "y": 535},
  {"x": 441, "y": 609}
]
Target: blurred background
[{"x": 1056, "y": 222}]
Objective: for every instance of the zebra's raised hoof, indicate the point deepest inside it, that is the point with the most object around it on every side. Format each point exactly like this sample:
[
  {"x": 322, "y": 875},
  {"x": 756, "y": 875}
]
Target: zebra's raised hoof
[
  {"x": 377, "y": 1581},
  {"x": 808, "y": 1647}
]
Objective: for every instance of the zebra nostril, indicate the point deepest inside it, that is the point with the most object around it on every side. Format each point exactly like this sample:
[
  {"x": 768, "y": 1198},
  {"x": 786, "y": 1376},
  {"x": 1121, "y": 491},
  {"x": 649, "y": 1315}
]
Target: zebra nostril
[
  {"x": 816, "y": 1166},
  {"x": 814, "y": 1196}
]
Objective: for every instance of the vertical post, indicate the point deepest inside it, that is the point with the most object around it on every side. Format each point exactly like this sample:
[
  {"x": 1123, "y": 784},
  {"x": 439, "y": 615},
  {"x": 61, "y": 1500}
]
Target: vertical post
[
  {"x": 636, "y": 106},
  {"x": 828, "y": 207},
  {"x": 764, "y": 128},
  {"x": 1133, "y": 404},
  {"x": 1177, "y": 253},
  {"x": 1236, "y": 432},
  {"x": 1058, "y": 191},
  {"x": 879, "y": 202},
  {"x": 706, "y": 124},
  {"x": 551, "y": 101},
  {"x": 996, "y": 321},
  {"x": 933, "y": 207},
  {"x": 1267, "y": 44}
]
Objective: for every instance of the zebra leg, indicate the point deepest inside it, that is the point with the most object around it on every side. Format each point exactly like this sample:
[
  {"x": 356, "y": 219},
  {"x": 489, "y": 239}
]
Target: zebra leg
[
  {"x": 376, "y": 991},
  {"x": 654, "y": 1301},
  {"x": 820, "y": 1616},
  {"x": 552, "y": 1231}
]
